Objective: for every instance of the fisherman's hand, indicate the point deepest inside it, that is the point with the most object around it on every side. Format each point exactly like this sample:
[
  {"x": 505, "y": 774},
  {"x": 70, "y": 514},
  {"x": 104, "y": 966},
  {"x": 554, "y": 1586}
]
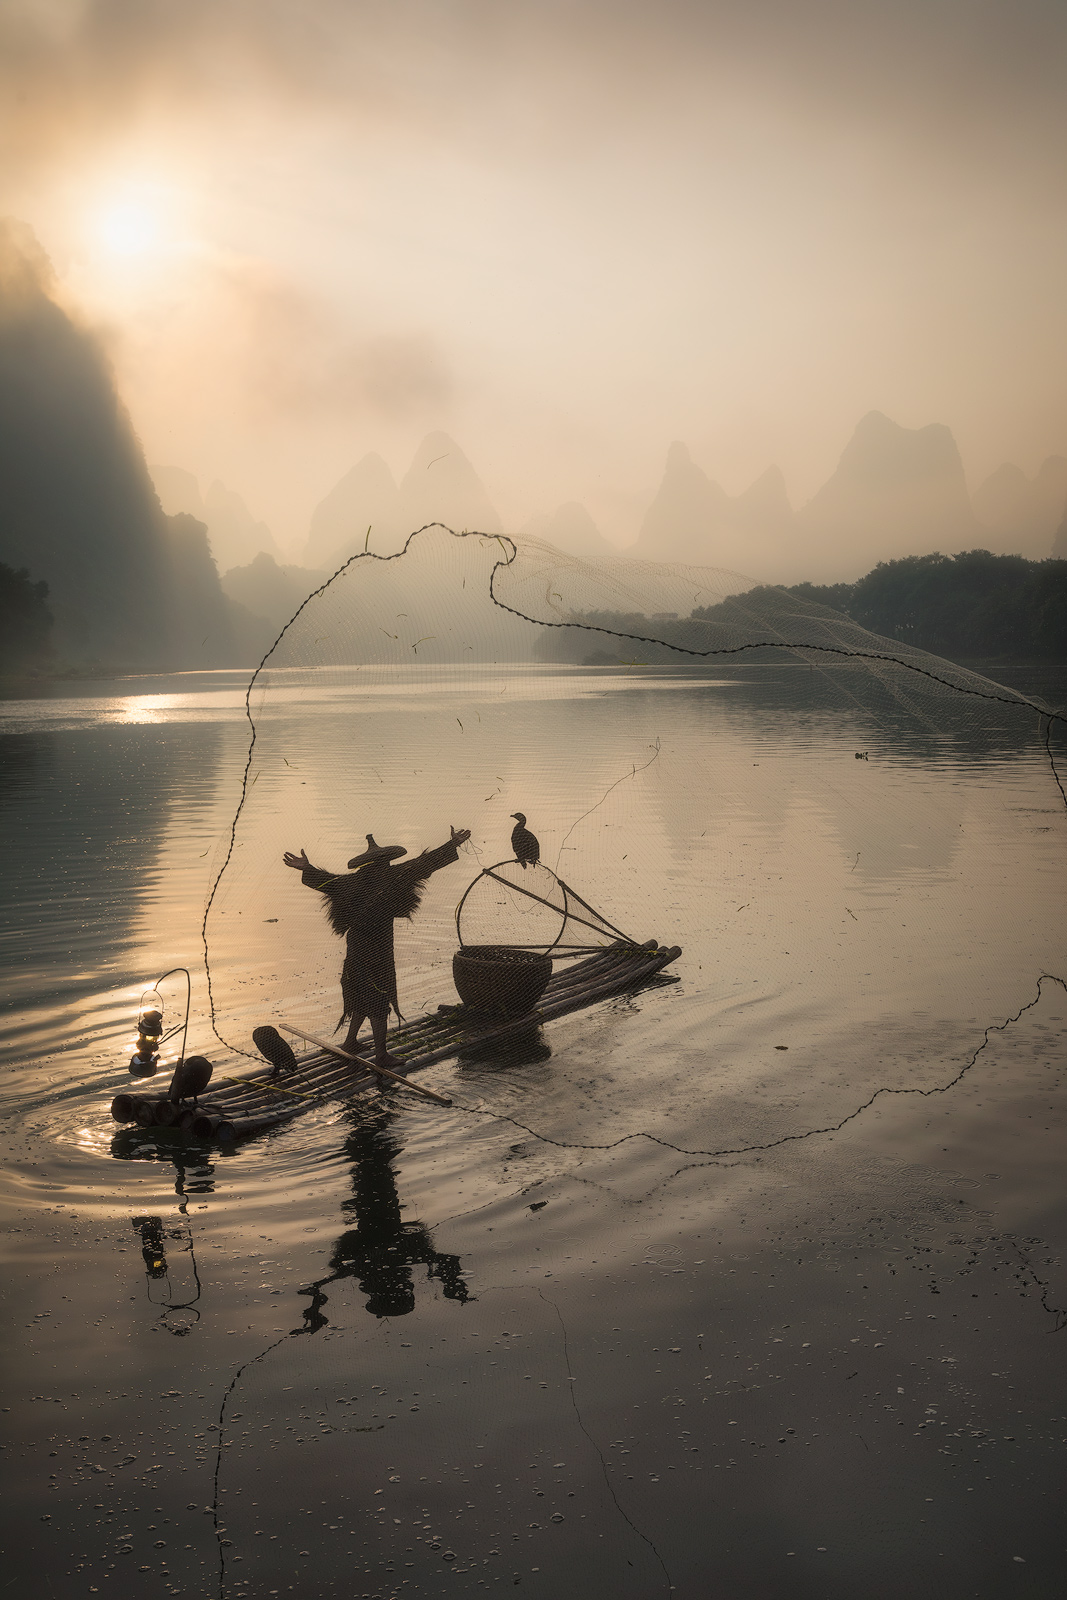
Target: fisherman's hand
[
  {"x": 461, "y": 837},
  {"x": 300, "y": 862}
]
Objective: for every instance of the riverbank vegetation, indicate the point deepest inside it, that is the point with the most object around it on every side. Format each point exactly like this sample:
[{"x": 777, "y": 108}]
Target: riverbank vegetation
[
  {"x": 25, "y": 624},
  {"x": 973, "y": 608}
]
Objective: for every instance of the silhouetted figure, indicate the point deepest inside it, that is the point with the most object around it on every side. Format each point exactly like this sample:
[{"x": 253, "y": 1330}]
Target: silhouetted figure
[
  {"x": 525, "y": 844},
  {"x": 270, "y": 1044},
  {"x": 363, "y": 905},
  {"x": 380, "y": 1251},
  {"x": 191, "y": 1077}
]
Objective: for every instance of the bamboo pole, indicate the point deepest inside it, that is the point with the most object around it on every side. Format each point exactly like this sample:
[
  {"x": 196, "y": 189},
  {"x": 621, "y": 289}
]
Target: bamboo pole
[
  {"x": 319, "y": 1075},
  {"x": 317, "y": 1071},
  {"x": 250, "y": 1092},
  {"x": 243, "y": 1126},
  {"x": 599, "y": 914},
  {"x": 214, "y": 1124},
  {"x": 371, "y": 1066},
  {"x": 567, "y": 913}
]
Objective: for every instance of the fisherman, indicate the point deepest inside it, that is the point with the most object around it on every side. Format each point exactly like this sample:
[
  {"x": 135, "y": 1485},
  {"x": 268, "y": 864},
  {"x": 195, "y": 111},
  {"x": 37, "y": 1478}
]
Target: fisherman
[{"x": 362, "y": 904}]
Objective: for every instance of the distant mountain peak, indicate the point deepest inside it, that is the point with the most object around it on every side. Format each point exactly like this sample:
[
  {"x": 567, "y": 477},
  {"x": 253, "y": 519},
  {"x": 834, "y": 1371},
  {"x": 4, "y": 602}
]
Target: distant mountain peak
[
  {"x": 881, "y": 451},
  {"x": 438, "y": 459},
  {"x": 1053, "y": 470},
  {"x": 687, "y": 509},
  {"x": 1024, "y": 512},
  {"x": 178, "y": 490},
  {"x": 370, "y": 471},
  {"x": 439, "y": 486},
  {"x": 765, "y": 502},
  {"x": 571, "y": 529},
  {"x": 366, "y": 497},
  {"x": 896, "y": 492},
  {"x": 442, "y": 486}
]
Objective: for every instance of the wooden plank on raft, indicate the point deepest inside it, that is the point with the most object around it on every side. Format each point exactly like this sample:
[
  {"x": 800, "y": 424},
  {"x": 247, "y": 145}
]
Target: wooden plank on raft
[{"x": 369, "y": 1066}]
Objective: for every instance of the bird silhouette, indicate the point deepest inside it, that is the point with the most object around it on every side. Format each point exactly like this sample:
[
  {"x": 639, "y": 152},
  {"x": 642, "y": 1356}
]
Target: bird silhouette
[
  {"x": 269, "y": 1042},
  {"x": 191, "y": 1077},
  {"x": 524, "y": 843}
]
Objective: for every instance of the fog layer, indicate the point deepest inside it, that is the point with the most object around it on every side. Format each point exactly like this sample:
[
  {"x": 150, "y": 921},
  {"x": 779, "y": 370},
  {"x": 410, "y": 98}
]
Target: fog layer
[{"x": 565, "y": 235}]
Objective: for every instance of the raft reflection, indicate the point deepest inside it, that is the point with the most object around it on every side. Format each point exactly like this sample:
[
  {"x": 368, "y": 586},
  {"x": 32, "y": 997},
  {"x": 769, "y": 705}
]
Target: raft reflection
[
  {"x": 192, "y": 1161},
  {"x": 381, "y": 1250}
]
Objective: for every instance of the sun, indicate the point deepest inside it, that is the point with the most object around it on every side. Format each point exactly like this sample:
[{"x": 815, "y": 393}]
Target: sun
[{"x": 129, "y": 227}]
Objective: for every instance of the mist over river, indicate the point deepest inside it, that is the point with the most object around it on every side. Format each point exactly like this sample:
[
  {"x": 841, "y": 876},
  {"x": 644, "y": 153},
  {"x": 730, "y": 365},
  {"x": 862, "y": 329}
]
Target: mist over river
[{"x": 751, "y": 1284}]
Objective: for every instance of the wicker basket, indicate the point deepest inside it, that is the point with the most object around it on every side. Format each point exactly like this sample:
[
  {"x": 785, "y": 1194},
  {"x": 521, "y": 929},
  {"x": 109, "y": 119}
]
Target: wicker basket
[{"x": 492, "y": 977}]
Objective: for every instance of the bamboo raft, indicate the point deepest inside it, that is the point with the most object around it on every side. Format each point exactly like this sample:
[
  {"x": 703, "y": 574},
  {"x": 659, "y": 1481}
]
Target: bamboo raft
[{"x": 261, "y": 1100}]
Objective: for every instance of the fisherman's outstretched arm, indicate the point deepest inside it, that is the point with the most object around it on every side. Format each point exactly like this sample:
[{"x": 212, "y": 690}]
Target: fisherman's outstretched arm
[
  {"x": 314, "y": 877},
  {"x": 430, "y": 860}
]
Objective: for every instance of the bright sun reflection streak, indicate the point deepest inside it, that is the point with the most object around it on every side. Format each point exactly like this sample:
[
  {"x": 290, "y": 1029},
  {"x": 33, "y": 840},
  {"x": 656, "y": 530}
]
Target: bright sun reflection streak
[{"x": 141, "y": 708}]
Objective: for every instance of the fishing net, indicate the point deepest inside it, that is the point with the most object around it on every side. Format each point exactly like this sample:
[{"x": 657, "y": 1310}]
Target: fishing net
[
  {"x": 834, "y": 828},
  {"x": 661, "y": 1253}
]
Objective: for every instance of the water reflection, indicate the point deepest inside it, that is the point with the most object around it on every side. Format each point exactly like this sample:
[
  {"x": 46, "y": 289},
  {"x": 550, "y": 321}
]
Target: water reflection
[
  {"x": 193, "y": 1162},
  {"x": 525, "y": 1048},
  {"x": 195, "y": 1175},
  {"x": 178, "y": 1316},
  {"x": 381, "y": 1250},
  {"x": 86, "y": 820}
]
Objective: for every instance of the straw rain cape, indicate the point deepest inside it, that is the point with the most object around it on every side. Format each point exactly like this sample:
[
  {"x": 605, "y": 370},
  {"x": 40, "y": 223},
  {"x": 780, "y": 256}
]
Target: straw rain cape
[{"x": 362, "y": 907}]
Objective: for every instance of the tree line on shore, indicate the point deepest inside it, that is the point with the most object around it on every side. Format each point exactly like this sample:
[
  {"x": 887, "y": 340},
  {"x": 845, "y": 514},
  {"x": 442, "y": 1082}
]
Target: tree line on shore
[
  {"x": 974, "y": 607},
  {"x": 971, "y": 608}
]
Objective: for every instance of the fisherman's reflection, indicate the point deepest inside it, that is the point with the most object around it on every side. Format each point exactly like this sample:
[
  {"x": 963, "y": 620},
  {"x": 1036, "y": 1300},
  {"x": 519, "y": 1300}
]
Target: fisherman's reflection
[{"x": 381, "y": 1250}]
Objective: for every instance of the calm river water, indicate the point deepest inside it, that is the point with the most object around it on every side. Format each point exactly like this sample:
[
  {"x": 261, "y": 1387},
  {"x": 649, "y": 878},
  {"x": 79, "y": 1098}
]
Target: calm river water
[{"x": 786, "y": 1341}]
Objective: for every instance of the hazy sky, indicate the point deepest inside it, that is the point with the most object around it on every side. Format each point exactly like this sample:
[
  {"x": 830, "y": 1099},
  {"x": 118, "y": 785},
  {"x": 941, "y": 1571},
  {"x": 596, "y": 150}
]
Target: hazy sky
[{"x": 566, "y": 233}]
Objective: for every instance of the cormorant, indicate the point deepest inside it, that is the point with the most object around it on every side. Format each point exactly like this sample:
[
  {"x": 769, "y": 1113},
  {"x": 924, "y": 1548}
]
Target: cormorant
[
  {"x": 269, "y": 1042},
  {"x": 525, "y": 844},
  {"x": 191, "y": 1077}
]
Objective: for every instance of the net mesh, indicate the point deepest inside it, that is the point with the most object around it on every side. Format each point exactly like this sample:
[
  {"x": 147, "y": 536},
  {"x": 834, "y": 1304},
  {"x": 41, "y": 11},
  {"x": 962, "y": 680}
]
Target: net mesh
[{"x": 804, "y": 807}]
